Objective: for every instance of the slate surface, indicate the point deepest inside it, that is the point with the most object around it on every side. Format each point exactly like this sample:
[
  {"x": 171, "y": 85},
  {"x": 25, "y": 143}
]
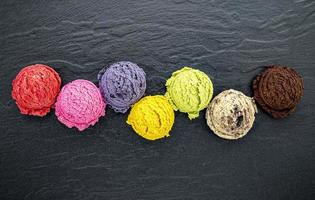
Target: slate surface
[{"x": 229, "y": 40}]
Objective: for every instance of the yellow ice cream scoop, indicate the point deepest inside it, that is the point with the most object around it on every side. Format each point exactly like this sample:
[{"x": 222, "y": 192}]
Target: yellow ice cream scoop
[
  {"x": 152, "y": 117},
  {"x": 189, "y": 90}
]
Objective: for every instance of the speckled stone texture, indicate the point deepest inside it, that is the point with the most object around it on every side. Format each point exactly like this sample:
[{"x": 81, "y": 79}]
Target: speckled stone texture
[{"x": 230, "y": 40}]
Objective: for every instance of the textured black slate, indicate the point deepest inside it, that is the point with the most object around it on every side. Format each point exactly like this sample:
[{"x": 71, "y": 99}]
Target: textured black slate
[{"x": 229, "y": 40}]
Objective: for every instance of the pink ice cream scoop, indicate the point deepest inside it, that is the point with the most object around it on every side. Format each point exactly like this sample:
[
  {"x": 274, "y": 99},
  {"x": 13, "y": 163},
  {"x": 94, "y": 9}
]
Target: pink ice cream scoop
[{"x": 79, "y": 104}]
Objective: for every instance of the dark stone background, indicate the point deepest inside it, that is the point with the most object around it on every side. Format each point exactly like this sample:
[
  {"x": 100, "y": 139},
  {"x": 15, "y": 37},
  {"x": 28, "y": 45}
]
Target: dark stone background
[{"x": 229, "y": 40}]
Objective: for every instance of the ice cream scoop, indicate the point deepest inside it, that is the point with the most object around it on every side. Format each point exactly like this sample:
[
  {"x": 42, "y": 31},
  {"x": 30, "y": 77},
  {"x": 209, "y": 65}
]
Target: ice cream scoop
[
  {"x": 152, "y": 117},
  {"x": 79, "y": 104},
  {"x": 231, "y": 114},
  {"x": 189, "y": 91},
  {"x": 35, "y": 89},
  {"x": 278, "y": 90},
  {"x": 122, "y": 84}
]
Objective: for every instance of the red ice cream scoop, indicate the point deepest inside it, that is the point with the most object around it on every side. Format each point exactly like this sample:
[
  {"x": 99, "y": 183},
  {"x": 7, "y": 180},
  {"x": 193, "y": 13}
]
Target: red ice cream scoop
[{"x": 35, "y": 89}]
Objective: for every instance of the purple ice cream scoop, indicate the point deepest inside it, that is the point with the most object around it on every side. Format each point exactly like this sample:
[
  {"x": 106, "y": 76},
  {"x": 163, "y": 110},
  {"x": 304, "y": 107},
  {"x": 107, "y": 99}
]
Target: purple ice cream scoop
[{"x": 122, "y": 84}]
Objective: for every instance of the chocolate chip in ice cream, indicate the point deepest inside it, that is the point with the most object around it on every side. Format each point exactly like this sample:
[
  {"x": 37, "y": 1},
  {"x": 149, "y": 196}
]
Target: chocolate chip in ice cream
[{"x": 231, "y": 114}]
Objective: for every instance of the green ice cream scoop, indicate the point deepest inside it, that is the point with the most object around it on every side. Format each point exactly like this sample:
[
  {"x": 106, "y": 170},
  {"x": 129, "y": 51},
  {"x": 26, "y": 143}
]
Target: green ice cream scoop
[{"x": 189, "y": 90}]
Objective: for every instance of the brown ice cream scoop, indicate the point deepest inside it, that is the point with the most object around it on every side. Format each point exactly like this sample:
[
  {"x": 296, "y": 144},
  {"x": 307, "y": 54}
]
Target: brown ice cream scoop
[
  {"x": 278, "y": 90},
  {"x": 231, "y": 114}
]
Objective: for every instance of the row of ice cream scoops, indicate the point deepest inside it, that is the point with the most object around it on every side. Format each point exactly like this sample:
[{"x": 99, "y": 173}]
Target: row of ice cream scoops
[{"x": 122, "y": 85}]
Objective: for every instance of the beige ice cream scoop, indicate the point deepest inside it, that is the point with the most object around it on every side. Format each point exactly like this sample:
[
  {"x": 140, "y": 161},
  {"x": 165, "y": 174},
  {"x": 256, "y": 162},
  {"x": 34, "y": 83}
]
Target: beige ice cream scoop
[{"x": 231, "y": 114}]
